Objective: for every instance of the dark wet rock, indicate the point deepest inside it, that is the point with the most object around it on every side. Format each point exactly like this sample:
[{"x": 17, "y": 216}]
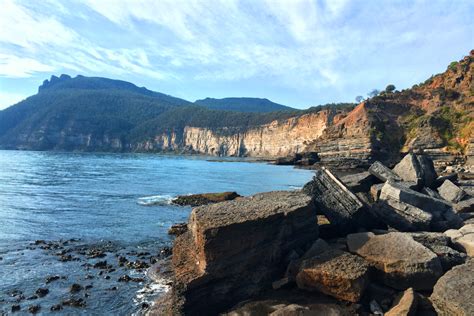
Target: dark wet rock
[
  {"x": 451, "y": 192},
  {"x": 145, "y": 305},
  {"x": 166, "y": 252},
  {"x": 41, "y": 292},
  {"x": 102, "y": 265},
  {"x": 416, "y": 168},
  {"x": 137, "y": 265},
  {"x": 113, "y": 288},
  {"x": 234, "y": 250},
  {"x": 452, "y": 294},
  {"x": 383, "y": 173},
  {"x": 400, "y": 261},
  {"x": 95, "y": 253},
  {"x": 343, "y": 209},
  {"x": 126, "y": 278},
  {"x": 89, "y": 286},
  {"x": 15, "y": 308},
  {"x": 32, "y": 297},
  {"x": 52, "y": 278},
  {"x": 75, "y": 288},
  {"x": 107, "y": 277},
  {"x": 89, "y": 276},
  {"x": 336, "y": 273},
  {"x": 178, "y": 229},
  {"x": 204, "y": 198},
  {"x": 34, "y": 309},
  {"x": 74, "y": 302},
  {"x": 40, "y": 242},
  {"x": 66, "y": 258},
  {"x": 56, "y": 308}
]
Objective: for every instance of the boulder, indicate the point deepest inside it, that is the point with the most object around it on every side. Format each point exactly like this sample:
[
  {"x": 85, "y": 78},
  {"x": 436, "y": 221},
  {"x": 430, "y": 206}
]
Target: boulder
[
  {"x": 431, "y": 192},
  {"x": 416, "y": 168},
  {"x": 234, "y": 250},
  {"x": 335, "y": 273},
  {"x": 440, "y": 244},
  {"x": 439, "y": 181},
  {"x": 375, "y": 191},
  {"x": 204, "y": 198},
  {"x": 383, "y": 173},
  {"x": 405, "y": 304},
  {"x": 451, "y": 192},
  {"x": 463, "y": 238},
  {"x": 342, "y": 208},
  {"x": 400, "y": 261},
  {"x": 359, "y": 182},
  {"x": 178, "y": 229},
  {"x": 465, "y": 206},
  {"x": 453, "y": 293},
  {"x": 401, "y": 216}
]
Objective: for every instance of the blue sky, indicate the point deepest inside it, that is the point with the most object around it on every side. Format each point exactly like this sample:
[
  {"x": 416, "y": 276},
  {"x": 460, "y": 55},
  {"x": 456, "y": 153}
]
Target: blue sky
[{"x": 296, "y": 52}]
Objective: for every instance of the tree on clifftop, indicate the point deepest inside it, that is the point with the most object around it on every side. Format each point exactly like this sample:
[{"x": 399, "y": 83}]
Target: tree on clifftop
[
  {"x": 359, "y": 98},
  {"x": 373, "y": 93},
  {"x": 390, "y": 88}
]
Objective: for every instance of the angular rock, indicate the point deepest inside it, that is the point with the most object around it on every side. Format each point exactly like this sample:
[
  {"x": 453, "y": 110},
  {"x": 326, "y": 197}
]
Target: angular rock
[
  {"x": 357, "y": 240},
  {"x": 335, "y": 201},
  {"x": 401, "y": 262},
  {"x": 375, "y": 191},
  {"x": 453, "y": 293},
  {"x": 397, "y": 192},
  {"x": 336, "y": 273},
  {"x": 431, "y": 192},
  {"x": 234, "y": 250},
  {"x": 178, "y": 229},
  {"x": 416, "y": 168},
  {"x": 451, "y": 192},
  {"x": 383, "y": 173},
  {"x": 359, "y": 182},
  {"x": 466, "y": 206},
  {"x": 439, "y": 181},
  {"x": 463, "y": 239},
  {"x": 405, "y": 305},
  {"x": 401, "y": 216}
]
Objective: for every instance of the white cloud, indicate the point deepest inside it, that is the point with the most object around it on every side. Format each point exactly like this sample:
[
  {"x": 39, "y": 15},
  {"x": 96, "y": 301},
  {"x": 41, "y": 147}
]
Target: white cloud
[{"x": 20, "y": 67}]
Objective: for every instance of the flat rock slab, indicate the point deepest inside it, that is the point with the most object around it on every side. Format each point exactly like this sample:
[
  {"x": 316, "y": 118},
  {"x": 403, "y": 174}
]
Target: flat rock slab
[
  {"x": 401, "y": 262},
  {"x": 204, "y": 198},
  {"x": 233, "y": 250},
  {"x": 465, "y": 206},
  {"x": 382, "y": 172},
  {"x": 336, "y": 273},
  {"x": 463, "y": 238},
  {"x": 359, "y": 182},
  {"x": 453, "y": 293},
  {"x": 451, "y": 192},
  {"x": 335, "y": 200}
]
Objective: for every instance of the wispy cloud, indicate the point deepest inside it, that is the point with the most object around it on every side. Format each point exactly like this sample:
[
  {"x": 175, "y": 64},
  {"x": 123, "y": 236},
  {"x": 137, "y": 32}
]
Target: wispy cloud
[{"x": 335, "y": 47}]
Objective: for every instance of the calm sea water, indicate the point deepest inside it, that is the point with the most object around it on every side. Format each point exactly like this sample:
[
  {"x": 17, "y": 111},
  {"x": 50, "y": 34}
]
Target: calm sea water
[{"x": 102, "y": 199}]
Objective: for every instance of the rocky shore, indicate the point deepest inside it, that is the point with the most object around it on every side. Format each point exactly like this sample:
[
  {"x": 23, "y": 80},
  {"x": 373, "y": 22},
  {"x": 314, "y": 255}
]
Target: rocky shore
[{"x": 384, "y": 241}]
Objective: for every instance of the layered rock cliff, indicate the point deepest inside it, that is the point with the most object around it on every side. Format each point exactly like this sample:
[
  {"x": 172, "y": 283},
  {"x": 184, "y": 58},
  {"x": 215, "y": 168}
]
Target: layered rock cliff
[{"x": 278, "y": 138}]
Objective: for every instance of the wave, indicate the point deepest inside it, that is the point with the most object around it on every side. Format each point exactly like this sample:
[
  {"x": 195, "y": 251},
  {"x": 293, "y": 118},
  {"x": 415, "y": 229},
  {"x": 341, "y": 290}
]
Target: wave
[{"x": 155, "y": 200}]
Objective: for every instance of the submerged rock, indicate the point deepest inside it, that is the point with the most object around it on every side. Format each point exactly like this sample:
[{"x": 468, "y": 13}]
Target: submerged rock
[{"x": 205, "y": 198}]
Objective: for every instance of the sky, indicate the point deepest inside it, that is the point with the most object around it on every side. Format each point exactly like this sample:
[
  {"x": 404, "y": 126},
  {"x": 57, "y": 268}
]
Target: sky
[{"x": 299, "y": 53}]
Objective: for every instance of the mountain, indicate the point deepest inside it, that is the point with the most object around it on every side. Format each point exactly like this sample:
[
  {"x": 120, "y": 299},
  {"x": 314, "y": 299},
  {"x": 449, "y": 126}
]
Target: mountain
[
  {"x": 243, "y": 105},
  {"x": 435, "y": 117}
]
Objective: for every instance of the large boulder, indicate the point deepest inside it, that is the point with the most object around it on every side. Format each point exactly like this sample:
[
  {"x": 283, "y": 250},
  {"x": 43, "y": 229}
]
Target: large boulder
[
  {"x": 234, "y": 250},
  {"x": 453, "y": 293},
  {"x": 336, "y": 273},
  {"x": 204, "y": 198},
  {"x": 342, "y": 207},
  {"x": 402, "y": 216},
  {"x": 359, "y": 182},
  {"x": 451, "y": 192},
  {"x": 400, "y": 261},
  {"x": 382, "y": 172},
  {"x": 416, "y": 168}
]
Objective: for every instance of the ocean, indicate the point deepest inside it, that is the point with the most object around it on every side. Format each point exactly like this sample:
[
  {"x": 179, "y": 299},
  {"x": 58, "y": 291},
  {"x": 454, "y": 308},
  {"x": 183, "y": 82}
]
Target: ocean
[{"x": 68, "y": 218}]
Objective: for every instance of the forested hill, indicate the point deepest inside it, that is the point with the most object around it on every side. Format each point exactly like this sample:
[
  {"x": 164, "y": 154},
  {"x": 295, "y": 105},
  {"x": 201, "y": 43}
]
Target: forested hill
[
  {"x": 243, "y": 105},
  {"x": 86, "y": 113}
]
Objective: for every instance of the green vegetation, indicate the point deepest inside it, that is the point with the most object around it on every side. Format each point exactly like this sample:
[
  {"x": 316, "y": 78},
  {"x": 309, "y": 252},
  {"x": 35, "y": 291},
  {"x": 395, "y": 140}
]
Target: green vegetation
[
  {"x": 390, "y": 88},
  {"x": 453, "y": 66}
]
